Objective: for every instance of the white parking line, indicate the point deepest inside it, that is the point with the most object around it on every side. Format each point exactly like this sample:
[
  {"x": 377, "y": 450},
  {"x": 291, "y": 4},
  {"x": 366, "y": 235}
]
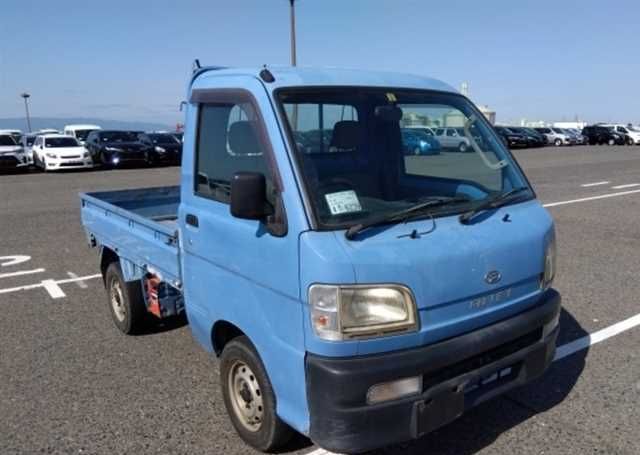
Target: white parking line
[
  {"x": 628, "y": 185},
  {"x": 54, "y": 290},
  {"x": 13, "y": 260},
  {"x": 81, "y": 284},
  {"x": 21, "y": 272},
  {"x": 592, "y": 198},
  {"x": 597, "y": 337},
  {"x": 587, "y": 185},
  {"x": 40, "y": 285}
]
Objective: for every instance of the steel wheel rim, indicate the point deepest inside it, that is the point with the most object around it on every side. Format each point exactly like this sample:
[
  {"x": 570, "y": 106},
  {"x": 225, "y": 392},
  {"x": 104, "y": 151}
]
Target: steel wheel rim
[
  {"x": 117, "y": 300},
  {"x": 246, "y": 396}
]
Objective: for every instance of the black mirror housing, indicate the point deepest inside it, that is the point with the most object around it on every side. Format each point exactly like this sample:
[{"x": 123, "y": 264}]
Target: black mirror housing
[{"x": 249, "y": 196}]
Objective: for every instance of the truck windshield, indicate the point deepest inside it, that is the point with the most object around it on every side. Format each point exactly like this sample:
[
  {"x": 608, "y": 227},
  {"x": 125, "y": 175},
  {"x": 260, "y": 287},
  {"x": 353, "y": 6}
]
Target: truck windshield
[
  {"x": 7, "y": 140},
  {"x": 119, "y": 136},
  {"x": 360, "y": 158},
  {"x": 58, "y": 142}
]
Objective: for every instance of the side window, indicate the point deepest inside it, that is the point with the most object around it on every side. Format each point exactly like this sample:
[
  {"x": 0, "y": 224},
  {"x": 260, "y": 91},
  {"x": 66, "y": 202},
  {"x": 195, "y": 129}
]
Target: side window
[
  {"x": 451, "y": 133},
  {"x": 229, "y": 141},
  {"x": 439, "y": 132},
  {"x": 324, "y": 128}
]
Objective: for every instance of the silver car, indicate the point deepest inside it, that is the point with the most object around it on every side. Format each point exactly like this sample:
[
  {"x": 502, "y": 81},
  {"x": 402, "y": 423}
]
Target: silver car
[{"x": 556, "y": 136}]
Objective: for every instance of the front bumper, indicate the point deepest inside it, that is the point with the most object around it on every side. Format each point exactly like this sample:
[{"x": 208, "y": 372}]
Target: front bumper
[
  {"x": 72, "y": 163},
  {"x": 458, "y": 374}
]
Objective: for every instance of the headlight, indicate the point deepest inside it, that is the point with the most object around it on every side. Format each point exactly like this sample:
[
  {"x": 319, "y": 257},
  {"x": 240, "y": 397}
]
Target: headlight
[
  {"x": 112, "y": 149},
  {"x": 159, "y": 149},
  {"x": 423, "y": 143},
  {"x": 53, "y": 156},
  {"x": 344, "y": 312},
  {"x": 549, "y": 272}
]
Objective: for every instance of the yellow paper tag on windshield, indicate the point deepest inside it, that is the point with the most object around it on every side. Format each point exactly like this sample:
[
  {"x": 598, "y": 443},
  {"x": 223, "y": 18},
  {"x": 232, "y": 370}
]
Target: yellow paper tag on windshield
[{"x": 391, "y": 98}]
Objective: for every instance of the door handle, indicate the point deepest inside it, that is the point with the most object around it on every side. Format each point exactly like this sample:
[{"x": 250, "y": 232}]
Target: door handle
[{"x": 192, "y": 220}]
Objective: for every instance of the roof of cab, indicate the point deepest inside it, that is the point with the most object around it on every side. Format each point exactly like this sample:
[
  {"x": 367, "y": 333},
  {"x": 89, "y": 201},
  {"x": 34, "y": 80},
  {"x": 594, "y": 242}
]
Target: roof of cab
[{"x": 287, "y": 76}]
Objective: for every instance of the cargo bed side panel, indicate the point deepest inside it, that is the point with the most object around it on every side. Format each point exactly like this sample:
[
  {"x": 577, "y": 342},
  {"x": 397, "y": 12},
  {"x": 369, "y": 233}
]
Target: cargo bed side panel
[{"x": 145, "y": 232}]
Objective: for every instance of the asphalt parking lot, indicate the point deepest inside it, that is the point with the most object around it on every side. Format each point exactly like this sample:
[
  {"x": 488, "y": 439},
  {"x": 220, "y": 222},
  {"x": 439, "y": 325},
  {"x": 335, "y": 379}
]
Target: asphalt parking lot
[{"x": 71, "y": 383}]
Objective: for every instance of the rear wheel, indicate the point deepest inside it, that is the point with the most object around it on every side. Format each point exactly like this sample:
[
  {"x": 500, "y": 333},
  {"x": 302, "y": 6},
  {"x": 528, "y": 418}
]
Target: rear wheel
[
  {"x": 462, "y": 147},
  {"x": 125, "y": 300},
  {"x": 416, "y": 151},
  {"x": 249, "y": 398},
  {"x": 612, "y": 141},
  {"x": 630, "y": 141}
]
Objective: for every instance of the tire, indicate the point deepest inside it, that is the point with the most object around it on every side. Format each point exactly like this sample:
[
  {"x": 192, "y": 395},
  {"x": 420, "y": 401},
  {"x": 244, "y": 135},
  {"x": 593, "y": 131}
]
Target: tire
[
  {"x": 630, "y": 141},
  {"x": 557, "y": 142},
  {"x": 150, "y": 162},
  {"x": 245, "y": 385},
  {"x": 416, "y": 151},
  {"x": 463, "y": 147},
  {"x": 124, "y": 300},
  {"x": 612, "y": 141}
]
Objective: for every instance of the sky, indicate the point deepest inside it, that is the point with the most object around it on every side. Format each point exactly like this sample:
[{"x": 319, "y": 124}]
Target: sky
[{"x": 130, "y": 60}]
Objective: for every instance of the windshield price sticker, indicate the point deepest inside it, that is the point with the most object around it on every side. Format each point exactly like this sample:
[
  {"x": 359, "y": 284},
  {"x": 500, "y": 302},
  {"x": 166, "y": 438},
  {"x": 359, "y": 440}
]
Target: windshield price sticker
[{"x": 343, "y": 202}]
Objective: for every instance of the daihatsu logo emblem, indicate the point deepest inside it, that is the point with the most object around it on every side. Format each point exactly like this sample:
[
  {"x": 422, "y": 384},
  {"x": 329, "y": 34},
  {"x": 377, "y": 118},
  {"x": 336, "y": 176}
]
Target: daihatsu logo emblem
[{"x": 492, "y": 277}]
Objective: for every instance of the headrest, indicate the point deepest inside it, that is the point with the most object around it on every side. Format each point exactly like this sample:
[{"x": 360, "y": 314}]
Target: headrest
[
  {"x": 347, "y": 135},
  {"x": 243, "y": 139}
]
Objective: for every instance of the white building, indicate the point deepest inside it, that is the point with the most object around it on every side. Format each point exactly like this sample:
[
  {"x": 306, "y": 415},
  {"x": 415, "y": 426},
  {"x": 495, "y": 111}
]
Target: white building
[{"x": 573, "y": 125}]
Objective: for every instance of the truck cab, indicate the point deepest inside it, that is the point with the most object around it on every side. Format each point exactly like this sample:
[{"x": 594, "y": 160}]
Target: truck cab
[{"x": 353, "y": 292}]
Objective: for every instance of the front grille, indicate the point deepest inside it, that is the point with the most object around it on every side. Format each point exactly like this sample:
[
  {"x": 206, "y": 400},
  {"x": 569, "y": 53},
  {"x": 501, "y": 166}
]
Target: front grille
[
  {"x": 73, "y": 157},
  {"x": 482, "y": 359},
  {"x": 70, "y": 164}
]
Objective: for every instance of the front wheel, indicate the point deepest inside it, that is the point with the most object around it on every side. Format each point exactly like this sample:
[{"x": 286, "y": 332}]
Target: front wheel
[
  {"x": 558, "y": 142},
  {"x": 630, "y": 141},
  {"x": 416, "y": 151},
  {"x": 249, "y": 398}
]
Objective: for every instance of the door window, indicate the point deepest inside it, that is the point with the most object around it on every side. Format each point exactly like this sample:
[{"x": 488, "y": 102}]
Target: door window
[{"x": 229, "y": 141}]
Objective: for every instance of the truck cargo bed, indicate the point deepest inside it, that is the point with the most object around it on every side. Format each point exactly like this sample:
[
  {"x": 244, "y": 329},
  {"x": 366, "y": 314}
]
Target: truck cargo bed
[{"x": 140, "y": 225}]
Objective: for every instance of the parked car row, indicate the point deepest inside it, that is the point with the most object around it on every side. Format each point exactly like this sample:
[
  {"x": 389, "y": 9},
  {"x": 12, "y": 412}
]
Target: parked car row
[
  {"x": 87, "y": 146},
  {"x": 598, "y": 134}
]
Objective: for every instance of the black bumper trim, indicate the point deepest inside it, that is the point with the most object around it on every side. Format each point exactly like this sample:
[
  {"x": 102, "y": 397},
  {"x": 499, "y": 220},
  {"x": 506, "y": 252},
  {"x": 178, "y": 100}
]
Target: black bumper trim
[{"x": 453, "y": 373}]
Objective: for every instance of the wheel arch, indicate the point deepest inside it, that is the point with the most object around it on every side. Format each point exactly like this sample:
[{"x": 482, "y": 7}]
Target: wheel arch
[
  {"x": 222, "y": 332},
  {"x": 107, "y": 256}
]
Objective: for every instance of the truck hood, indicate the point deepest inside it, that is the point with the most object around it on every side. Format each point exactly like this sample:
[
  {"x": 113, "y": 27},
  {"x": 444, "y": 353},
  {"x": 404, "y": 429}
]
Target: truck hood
[{"x": 447, "y": 266}]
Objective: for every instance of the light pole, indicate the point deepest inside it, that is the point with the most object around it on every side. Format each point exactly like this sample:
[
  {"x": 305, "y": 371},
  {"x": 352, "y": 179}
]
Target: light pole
[
  {"x": 292, "y": 9},
  {"x": 26, "y": 97},
  {"x": 293, "y": 32}
]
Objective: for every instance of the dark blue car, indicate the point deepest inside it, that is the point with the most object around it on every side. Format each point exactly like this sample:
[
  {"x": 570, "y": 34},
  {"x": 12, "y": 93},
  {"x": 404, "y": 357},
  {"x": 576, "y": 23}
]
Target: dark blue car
[{"x": 417, "y": 142}]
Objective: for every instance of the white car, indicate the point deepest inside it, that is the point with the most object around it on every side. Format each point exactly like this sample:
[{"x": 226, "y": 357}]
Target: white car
[
  {"x": 80, "y": 132},
  {"x": 556, "y": 136},
  {"x": 631, "y": 134},
  {"x": 56, "y": 151},
  {"x": 12, "y": 155}
]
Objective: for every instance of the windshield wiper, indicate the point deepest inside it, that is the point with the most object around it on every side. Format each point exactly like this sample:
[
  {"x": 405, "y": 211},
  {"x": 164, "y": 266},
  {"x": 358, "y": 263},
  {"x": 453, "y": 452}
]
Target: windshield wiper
[
  {"x": 405, "y": 214},
  {"x": 491, "y": 203}
]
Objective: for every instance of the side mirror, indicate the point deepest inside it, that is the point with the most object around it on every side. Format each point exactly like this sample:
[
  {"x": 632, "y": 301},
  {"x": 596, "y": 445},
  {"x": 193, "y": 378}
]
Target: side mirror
[{"x": 249, "y": 196}]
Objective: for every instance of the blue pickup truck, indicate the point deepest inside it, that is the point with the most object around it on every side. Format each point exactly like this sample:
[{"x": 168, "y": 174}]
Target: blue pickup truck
[{"x": 353, "y": 292}]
